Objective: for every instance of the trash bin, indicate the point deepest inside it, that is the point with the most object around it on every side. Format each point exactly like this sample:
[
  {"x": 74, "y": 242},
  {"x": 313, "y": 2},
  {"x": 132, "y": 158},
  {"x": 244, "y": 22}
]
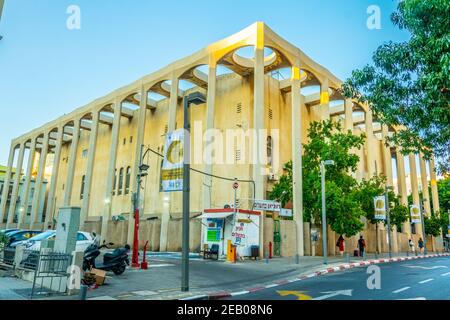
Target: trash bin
[{"x": 255, "y": 252}]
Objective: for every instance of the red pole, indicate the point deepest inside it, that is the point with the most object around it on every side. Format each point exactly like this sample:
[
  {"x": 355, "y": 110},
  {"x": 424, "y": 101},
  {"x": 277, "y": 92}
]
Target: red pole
[
  {"x": 270, "y": 250},
  {"x": 144, "y": 264},
  {"x": 135, "y": 258}
]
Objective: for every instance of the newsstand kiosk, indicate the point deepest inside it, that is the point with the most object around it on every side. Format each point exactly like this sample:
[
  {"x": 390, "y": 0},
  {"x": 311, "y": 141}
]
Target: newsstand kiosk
[{"x": 240, "y": 226}]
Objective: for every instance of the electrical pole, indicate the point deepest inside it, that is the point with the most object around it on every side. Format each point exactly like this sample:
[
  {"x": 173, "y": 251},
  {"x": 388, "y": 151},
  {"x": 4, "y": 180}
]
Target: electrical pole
[
  {"x": 324, "y": 215},
  {"x": 388, "y": 218}
]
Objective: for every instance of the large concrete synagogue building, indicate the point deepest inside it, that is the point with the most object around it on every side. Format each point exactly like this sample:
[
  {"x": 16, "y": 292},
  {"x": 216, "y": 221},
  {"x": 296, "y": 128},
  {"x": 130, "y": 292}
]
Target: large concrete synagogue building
[{"x": 94, "y": 151}]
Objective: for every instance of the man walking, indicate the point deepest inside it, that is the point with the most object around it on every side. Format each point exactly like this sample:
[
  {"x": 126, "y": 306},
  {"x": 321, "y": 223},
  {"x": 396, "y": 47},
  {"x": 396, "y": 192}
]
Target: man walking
[{"x": 361, "y": 246}]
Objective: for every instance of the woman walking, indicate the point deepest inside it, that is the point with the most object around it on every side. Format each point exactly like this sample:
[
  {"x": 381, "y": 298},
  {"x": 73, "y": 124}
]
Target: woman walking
[{"x": 341, "y": 244}]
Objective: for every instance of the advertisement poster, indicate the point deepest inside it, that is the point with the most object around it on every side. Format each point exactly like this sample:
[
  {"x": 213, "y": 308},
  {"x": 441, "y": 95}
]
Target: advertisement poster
[
  {"x": 380, "y": 208},
  {"x": 172, "y": 168}
]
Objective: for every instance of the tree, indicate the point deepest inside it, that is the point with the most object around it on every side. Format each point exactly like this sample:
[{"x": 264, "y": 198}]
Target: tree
[
  {"x": 408, "y": 83},
  {"x": 327, "y": 141},
  {"x": 433, "y": 225},
  {"x": 369, "y": 189},
  {"x": 444, "y": 194}
]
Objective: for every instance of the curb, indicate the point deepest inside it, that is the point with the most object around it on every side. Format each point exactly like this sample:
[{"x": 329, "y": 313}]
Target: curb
[{"x": 341, "y": 267}]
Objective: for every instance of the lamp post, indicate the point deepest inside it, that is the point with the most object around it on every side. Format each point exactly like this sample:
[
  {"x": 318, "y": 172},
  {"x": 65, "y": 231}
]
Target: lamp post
[
  {"x": 143, "y": 168},
  {"x": 388, "y": 218},
  {"x": 324, "y": 213},
  {"x": 193, "y": 98}
]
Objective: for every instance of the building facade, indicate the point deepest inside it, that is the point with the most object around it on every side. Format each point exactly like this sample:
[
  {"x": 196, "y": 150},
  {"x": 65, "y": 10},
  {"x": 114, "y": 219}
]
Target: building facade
[
  {"x": 20, "y": 194},
  {"x": 92, "y": 154}
]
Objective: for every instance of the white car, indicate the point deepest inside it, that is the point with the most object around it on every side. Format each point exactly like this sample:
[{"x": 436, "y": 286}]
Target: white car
[{"x": 84, "y": 240}]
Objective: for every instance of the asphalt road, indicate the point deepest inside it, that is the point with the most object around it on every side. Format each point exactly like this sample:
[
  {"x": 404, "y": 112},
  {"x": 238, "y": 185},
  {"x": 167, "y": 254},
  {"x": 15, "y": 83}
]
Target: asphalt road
[{"x": 427, "y": 279}]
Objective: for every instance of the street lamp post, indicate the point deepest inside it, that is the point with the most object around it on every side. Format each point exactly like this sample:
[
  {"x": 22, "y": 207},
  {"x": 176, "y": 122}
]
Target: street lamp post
[
  {"x": 424, "y": 235},
  {"x": 324, "y": 213},
  {"x": 193, "y": 98},
  {"x": 388, "y": 218}
]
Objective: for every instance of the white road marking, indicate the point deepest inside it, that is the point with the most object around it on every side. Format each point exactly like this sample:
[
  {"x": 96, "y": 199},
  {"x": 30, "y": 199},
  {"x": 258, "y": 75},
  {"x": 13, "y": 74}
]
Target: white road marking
[
  {"x": 401, "y": 290},
  {"x": 426, "y": 268},
  {"x": 332, "y": 294},
  {"x": 445, "y": 274},
  {"x": 418, "y": 298},
  {"x": 425, "y": 281}
]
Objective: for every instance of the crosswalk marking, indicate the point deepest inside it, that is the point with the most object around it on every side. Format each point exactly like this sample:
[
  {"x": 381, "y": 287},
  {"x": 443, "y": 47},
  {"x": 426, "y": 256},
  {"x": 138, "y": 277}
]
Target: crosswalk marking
[
  {"x": 445, "y": 274},
  {"x": 401, "y": 290},
  {"x": 425, "y": 281}
]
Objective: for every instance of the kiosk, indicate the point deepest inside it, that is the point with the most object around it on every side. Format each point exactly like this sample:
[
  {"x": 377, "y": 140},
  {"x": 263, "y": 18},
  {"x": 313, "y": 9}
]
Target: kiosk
[{"x": 239, "y": 226}]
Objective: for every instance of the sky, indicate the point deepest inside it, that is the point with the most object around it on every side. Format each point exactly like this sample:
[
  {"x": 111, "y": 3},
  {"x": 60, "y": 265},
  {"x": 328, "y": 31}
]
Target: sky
[{"x": 47, "y": 70}]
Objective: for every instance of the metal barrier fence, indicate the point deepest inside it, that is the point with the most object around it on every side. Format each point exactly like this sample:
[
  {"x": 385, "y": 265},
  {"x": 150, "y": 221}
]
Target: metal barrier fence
[
  {"x": 50, "y": 271},
  {"x": 7, "y": 256}
]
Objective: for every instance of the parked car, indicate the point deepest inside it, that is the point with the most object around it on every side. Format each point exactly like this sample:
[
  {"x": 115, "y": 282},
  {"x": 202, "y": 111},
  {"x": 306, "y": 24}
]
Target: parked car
[
  {"x": 84, "y": 240},
  {"x": 20, "y": 235},
  {"x": 7, "y": 231}
]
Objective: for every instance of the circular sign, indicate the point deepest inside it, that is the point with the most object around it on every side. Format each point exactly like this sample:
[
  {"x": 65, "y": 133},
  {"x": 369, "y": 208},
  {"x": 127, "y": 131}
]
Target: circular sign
[{"x": 235, "y": 185}]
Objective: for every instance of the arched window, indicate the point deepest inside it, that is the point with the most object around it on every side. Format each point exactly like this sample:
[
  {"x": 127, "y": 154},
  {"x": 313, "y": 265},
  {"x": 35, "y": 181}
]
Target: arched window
[
  {"x": 127, "y": 180},
  {"x": 120, "y": 187},
  {"x": 83, "y": 181},
  {"x": 115, "y": 183},
  {"x": 269, "y": 150}
]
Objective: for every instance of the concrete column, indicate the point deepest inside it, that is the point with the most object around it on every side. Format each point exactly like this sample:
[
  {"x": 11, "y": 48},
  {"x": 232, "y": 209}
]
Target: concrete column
[
  {"x": 111, "y": 168},
  {"x": 401, "y": 178},
  {"x": 369, "y": 144},
  {"x": 434, "y": 188},
  {"x": 258, "y": 124},
  {"x": 424, "y": 180},
  {"x": 36, "y": 206},
  {"x": 414, "y": 186},
  {"x": 15, "y": 191},
  {"x": 296, "y": 106},
  {"x": 324, "y": 100},
  {"x": 90, "y": 168},
  {"x": 7, "y": 183},
  {"x": 135, "y": 169},
  {"x": 26, "y": 188},
  {"x": 387, "y": 158},
  {"x": 72, "y": 162},
  {"x": 54, "y": 180},
  {"x": 349, "y": 115},
  {"x": 211, "y": 100},
  {"x": 173, "y": 103}
]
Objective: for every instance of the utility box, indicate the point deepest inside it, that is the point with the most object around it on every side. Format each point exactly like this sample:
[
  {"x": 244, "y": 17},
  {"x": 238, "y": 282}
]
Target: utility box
[{"x": 67, "y": 228}]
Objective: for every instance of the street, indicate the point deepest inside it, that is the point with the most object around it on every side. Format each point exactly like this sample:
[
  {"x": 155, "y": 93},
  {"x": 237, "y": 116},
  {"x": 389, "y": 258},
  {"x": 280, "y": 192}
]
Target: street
[{"x": 427, "y": 279}]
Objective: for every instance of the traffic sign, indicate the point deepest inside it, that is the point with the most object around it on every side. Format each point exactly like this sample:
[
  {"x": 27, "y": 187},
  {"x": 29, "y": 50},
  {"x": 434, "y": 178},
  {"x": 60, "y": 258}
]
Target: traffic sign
[{"x": 235, "y": 185}]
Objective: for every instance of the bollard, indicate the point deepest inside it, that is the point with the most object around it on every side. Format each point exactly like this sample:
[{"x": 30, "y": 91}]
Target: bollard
[
  {"x": 348, "y": 257},
  {"x": 297, "y": 259},
  {"x": 267, "y": 257},
  {"x": 83, "y": 292}
]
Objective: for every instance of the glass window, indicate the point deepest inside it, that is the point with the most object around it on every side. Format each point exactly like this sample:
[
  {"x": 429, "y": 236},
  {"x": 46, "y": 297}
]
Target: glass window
[
  {"x": 83, "y": 180},
  {"x": 81, "y": 237},
  {"x": 119, "y": 189},
  {"x": 115, "y": 183},
  {"x": 127, "y": 181}
]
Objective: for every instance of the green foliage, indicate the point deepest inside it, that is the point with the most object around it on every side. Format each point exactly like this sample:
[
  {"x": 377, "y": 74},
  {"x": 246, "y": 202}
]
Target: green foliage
[
  {"x": 433, "y": 225},
  {"x": 444, "y": 194},
  {"x": 398, "y": 213},
  {"x": 3, "y": 241},
  {"x": 327, "y": 141},
  {"x": 368, "y": 190},
  {"x": 408, "y": 83},
  {"x": 444, "y": 223}
]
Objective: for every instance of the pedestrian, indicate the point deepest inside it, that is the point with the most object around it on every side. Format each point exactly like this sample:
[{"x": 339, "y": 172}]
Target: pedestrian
[
  {"x": 411, "y": 245},
  {"x": 420, "y": 244},
  {"x": 361, "y": 246},
  {"x": 341, "y": 245}
]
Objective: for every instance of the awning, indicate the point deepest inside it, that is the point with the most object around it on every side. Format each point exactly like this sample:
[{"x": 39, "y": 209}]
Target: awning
[{"x": 215, "y": 215}]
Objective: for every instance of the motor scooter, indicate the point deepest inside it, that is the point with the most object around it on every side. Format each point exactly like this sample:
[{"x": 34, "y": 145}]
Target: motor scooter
[{"x": 116, "y": 261}]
